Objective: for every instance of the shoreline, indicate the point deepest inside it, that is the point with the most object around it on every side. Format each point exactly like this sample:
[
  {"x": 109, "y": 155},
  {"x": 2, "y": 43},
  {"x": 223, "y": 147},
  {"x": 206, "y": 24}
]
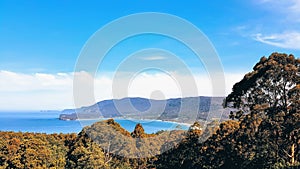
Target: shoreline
[{"x": 135, "y": 120}]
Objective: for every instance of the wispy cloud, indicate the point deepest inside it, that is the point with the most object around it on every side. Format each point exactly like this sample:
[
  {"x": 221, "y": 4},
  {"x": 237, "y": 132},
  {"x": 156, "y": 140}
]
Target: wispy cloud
[
  {"x": 153, "y": 58},
  {"x": 281, "y": 24},
  {"x": 55, "y": 91},
  {"x": 289, "y": 40}
]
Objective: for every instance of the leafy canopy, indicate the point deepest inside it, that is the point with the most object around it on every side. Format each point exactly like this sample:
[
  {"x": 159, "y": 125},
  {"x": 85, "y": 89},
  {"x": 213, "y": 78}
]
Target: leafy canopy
[{"x": 272, "y": 87}]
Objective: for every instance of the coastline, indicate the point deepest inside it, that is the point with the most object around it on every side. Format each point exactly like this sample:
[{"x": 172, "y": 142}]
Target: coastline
[{"x": 135, "y": 120}]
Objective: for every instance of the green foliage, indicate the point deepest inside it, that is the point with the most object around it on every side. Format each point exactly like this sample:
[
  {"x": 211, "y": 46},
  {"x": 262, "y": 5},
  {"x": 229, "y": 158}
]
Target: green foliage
[
  {"x": 272, "y": 87},
  {"x": 268, "y": 103},
  {"x": 266, "y": 134},
  {"x": 30, "y": 150},
  {"x": 85, "y": 154},
  {"x": 136, "y": 149}
]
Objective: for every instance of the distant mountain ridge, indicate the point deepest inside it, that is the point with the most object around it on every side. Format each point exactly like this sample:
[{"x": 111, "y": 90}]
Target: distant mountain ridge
[{"x": 175, "y": 109}]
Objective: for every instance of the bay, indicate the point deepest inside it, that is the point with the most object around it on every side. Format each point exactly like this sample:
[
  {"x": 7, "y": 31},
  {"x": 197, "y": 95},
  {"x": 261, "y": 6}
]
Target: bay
[{"x": 48, "y": 122}]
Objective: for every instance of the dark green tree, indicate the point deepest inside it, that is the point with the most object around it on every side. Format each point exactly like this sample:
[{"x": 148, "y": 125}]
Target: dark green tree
[
  {"x": 267, "y": 103},
  {"x": 268, "y": 88}
]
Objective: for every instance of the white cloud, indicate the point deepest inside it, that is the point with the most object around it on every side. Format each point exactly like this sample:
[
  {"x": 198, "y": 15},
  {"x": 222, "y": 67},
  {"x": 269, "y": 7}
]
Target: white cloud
[
  {"x": 55, "y": 91},
  {"x": 289, "y": 40},
  {"x": 14, "y": 82},
  {"x": 35, "y": 91}
]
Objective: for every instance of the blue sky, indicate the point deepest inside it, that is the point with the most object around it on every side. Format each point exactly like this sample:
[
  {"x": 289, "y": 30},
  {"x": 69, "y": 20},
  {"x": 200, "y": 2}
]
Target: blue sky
[{"x": 45, "y": 38}]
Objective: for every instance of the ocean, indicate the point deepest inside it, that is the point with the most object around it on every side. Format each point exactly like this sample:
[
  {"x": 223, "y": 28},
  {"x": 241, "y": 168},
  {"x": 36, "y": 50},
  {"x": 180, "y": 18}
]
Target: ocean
[{"x": 48, "y": 122}]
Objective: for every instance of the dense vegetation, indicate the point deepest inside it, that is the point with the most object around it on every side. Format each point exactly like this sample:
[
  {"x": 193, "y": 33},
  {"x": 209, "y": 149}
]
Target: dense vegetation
[
  {"x": 263, "y": 132},
  {"x": 103, "y": 145},
  {"x": 29, "y": 150}
]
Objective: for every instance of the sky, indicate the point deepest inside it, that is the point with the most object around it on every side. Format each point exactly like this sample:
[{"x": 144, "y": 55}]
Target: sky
[{"x": 40, "y": 42}]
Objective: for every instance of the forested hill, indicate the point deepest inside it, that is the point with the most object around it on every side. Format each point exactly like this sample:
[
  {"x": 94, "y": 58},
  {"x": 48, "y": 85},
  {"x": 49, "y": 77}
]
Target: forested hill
[
  {"x": 105, "y": 145},
  {"x": 177, "y": 109}
]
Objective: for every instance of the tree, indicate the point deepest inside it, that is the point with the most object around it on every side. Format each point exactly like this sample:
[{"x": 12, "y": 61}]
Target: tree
[
  {"x": 267, "y": 100},
  {"x": 84, "y": 153},
  {"x": 138, "y": 132},
  {"x": 267, "y": 89}
]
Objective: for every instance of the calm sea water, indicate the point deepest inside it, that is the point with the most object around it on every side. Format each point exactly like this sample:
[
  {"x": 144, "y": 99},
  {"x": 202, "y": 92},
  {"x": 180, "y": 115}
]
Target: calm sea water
[{"x": 48, "y": 122}]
